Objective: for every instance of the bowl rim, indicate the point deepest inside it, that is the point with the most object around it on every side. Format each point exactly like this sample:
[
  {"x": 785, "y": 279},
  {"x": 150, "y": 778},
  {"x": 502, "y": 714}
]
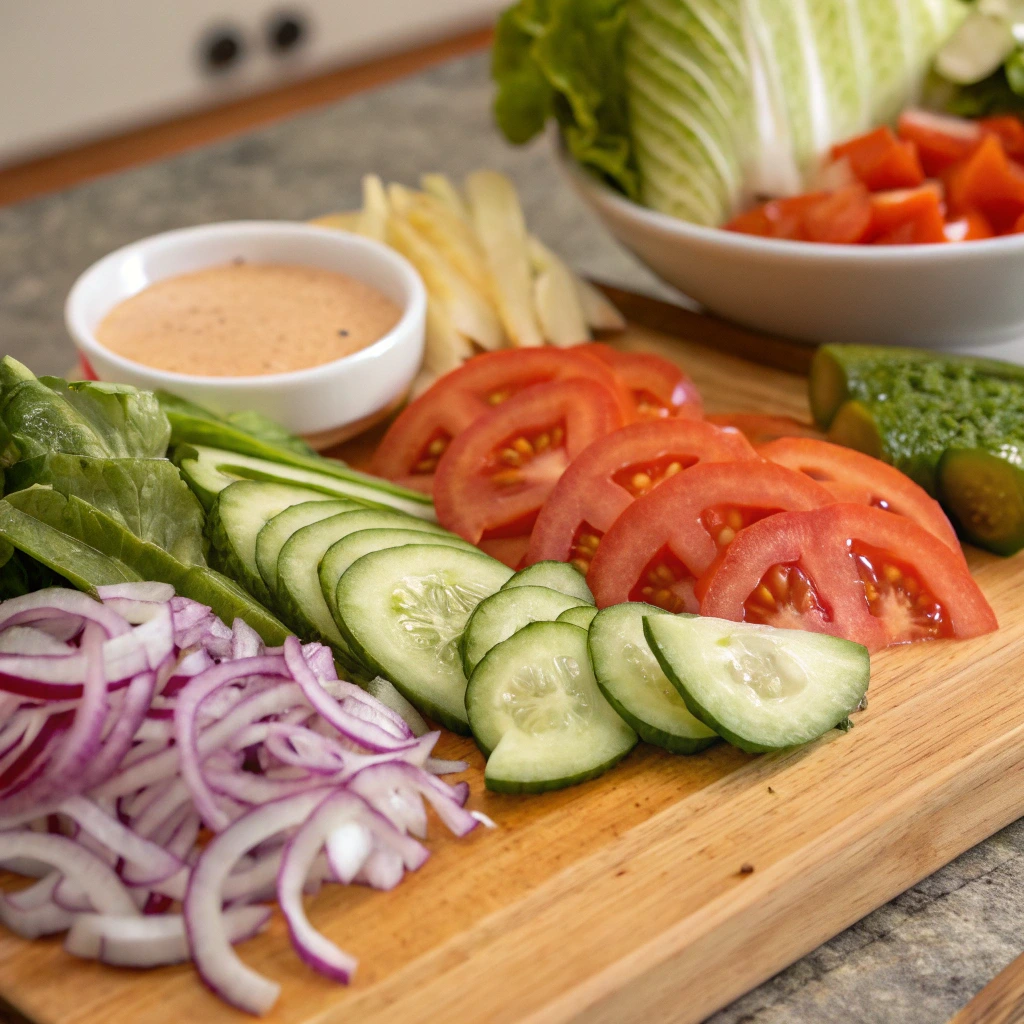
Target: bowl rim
[
  {"x": 413, "y": 311},
  {"x": 602, "y": 195}
]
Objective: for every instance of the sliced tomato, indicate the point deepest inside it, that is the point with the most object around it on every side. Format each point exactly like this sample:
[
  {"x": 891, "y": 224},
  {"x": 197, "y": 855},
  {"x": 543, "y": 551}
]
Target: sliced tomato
[
  {"x": 409, "y": 451},
  {"x": 658, "y": 387},
  {"x": 855, "y": 477},
  {"x": 779, "y": 218},
  {"x": 759, "y": 428},
  {"x": 990, "y": 183},
  {"x": 852, "y": 571},
  {"x": 909, "y": 216},
  {"x": 616, "y": 470},
  {"x": 882, "y": 161},
  {"x": 663, "y": 542},
  {"x": 1010, "y": 132},
  {"x": 843, "y": 218},
  {"x": 971, "y": 227},
  {"x": 941, "y": 140},
  {"x": 493, "y": 478}
]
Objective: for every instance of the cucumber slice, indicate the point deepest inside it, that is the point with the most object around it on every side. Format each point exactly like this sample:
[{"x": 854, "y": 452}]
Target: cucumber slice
[
  {"x": 633, "y": 683},
  {"x": 582, "y": 615},
  {"x": 759, "y": 687},
  {"x": 403, "y": 610},
  {"x": 298, "y": 594},
  {"x": 538, "y": 714},
  {"x": 344, "y": 552},
  {"x": 558, "y": 576},
  {"x": 506, "y": 612},
  {"x": 276, "y": 532},
  {"x": 243, "y": 508},
  {"x": 209, "y": 470}
]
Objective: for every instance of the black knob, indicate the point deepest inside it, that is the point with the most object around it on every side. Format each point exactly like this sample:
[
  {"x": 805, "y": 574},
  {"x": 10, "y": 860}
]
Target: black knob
[
  {"x": 286, "y": 31},
  {"x": 221, "y": 49}
]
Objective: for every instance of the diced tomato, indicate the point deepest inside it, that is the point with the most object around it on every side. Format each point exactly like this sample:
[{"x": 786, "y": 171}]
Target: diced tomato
[
  {"x": 616, "y": 470},
  {"x": 844, "y": 217},
  {"x": 855, "y": 477},
  {"x": 852, "y": 571},
  {"x": 494, "y": 476},
  {"x": 881, "y": 161},
  {"x": 658, "y": 387},
  {"x": 971, "y": 227},
  {"x": 941, "y": 140},
  {"x": 1009, "y": 130},
  {"x": 664, "y": 541},
  {"x": 913, "y": 214},
  {"x": 410, "y": 449},
  {"x": 759, "y": 428},
  {"x": 990, "y": 183},
  {"x": 780, "y": 218}
]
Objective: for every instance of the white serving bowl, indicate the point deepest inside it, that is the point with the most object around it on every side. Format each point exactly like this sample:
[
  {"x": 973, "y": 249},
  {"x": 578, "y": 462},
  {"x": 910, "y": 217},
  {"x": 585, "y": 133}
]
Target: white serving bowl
[
  {"x": 959, "y": 296},
  {"x": 321, "y": 400}
]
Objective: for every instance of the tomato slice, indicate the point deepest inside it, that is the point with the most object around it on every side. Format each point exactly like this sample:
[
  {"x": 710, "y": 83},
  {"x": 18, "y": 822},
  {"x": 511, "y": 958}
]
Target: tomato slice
[
  {"x": 493, "y": 478},
  {"x": 409, "y": 451},
  {"x": 842, "y": 218},
  {"x": 941, "y": 140},
  {"x": 759, "y": 428},
  {"x": 663, "y": 542},
  {"x": 857, "y": 478},
  {"x": 616, "y": 470},
  {"x": 852, "y": 571},
  {"x": 658, "y": 387},
  {"x": 881, "y": 161},
  {"x": 990, "y": 183}
]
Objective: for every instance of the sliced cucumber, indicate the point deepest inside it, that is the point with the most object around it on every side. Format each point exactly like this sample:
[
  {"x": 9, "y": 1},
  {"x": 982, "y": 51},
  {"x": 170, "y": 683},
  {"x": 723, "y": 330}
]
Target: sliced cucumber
[
  {"x": 504, "y": 613},
  {"x": 210, "y": 470},
  {"x": 344, "y": 552},
  {"x": 276, "y": 532},
  {"x": 581, "y": 615},
  {"x": 633, "y": 683},
  {"x": 243, "y": 508},
  {"x": 536, "y": 711},
  {"x": 403, "y": 610},
  {"x": 759, "y": 687},
  {"x": 558, "y": 576}
]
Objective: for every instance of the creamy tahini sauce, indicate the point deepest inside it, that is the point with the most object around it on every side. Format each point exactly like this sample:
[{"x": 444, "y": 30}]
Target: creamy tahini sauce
[{"x": 248, "y": 319}]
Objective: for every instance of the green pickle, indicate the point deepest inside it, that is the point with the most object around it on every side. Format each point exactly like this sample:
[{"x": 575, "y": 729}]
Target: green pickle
[{"x": 953, "y": 424}]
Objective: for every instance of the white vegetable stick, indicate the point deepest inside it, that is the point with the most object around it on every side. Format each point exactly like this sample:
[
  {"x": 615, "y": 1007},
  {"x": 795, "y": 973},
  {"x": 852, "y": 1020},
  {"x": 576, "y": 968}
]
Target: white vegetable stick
[
  {"x": 440, "y": 187},
  {"x": 374, "y": 218},
  {"x": 453, "y": 236},
  {"x": 558, "y": 307},
  {"x": 345, "y": 220},
  {"x": 400, "y": 198},
  {"x": 498, "y": 219},
  {"x": 598, "y": 312},
  {"x": 445, "y": 348},
  {"x": 469, "y": 312}
]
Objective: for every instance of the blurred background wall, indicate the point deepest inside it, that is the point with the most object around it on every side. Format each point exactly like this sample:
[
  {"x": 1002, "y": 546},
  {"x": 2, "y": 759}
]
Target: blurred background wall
[{"x": 74, "y": 70}]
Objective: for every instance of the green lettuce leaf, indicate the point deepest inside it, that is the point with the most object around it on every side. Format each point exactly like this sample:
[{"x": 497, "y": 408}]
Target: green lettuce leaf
[
  {"x": 146, "y": 496},
  {"x": 81, "y": 523},
  {"x": 564, "y": 59},
  {"x": 41, "y": 416}
]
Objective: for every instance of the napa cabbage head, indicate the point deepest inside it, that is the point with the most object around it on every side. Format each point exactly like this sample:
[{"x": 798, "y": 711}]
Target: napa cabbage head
[{"x": 696, "y": 107}]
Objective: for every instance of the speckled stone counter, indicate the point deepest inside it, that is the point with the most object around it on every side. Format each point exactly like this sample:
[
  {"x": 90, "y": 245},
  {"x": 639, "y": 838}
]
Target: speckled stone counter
[{"x": 916, "y": 960}]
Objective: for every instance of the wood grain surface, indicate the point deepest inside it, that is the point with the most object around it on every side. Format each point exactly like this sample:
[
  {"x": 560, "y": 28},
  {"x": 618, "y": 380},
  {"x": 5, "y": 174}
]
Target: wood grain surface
[
  {"x": 624, "y": 900},
  {"x": 1001, "y": 1001}
]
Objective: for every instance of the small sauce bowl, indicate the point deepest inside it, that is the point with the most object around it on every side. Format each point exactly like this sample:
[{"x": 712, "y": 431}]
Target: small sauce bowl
[{"x": 323, "y": 402}]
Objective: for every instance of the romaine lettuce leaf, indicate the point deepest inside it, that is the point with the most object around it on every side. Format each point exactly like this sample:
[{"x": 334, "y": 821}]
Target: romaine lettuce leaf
[
  {"x": 564, "y": 59},
  {"x": 147, "y": 496}
]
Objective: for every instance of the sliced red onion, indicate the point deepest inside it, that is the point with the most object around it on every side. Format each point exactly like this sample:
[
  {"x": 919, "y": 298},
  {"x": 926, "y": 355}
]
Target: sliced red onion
[
  {"x": 57, "y": 603},
  {"x": 386, "y": 692},
  {"x": 151, "y": 941},
  {"x": 76, "y": 863},
  {"x": 47, "y": 919},
  {"x": 437, "y": 766},
  {"x": 33, "y": 641},
  {"x": 383, "y": 870},
  {"x": 245, "y": 641},
  {"x": 160, "y": 593},
  {"x": 217, "y": 963},
  {"x": 347, "y": 848},
  {"x": 116, "y": 743}
]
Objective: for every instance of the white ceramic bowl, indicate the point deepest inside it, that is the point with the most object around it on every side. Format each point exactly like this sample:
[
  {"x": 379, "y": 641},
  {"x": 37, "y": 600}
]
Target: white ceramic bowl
[
  {"x": 316, "y": 401},
  {"x": 958, "y": 296}
]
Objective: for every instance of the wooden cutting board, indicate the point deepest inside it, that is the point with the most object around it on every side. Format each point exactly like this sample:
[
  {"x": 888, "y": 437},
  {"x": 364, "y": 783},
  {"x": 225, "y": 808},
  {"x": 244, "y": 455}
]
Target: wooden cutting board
[{"x": 670, "y": 886}]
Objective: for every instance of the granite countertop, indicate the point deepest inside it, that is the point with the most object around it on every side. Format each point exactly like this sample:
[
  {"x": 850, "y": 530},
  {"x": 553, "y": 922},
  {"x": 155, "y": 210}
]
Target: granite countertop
[{"x": 916, "y": 960}]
